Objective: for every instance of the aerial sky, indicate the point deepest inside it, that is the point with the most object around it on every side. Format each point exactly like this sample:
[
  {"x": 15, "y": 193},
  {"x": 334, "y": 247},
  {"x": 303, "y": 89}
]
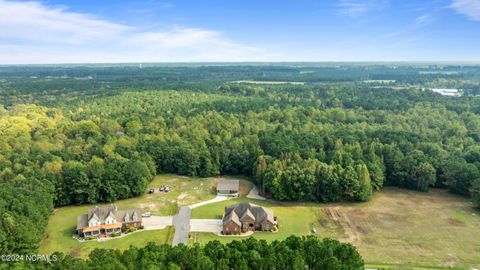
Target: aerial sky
[{"x": 109, "y": 31}]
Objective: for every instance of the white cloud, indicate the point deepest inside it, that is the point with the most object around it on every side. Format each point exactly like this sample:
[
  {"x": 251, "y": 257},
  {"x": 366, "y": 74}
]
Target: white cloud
[
  {"x": 35, "y": 22},
  {"x": 470, "y": 8},
  {"x": 352, "y": 9},
  {"x": 358, "y": 8},
  {"x": 191, "y": 44},
  {"x": 31, "y": 32},
  {"x": 424, "y": 20},
  {"x": 176, "y": 38}
]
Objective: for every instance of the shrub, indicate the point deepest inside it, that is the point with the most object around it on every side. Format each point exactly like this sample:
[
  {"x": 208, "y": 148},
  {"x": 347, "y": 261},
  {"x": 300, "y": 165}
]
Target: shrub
[{"x": 130, "y": 229}]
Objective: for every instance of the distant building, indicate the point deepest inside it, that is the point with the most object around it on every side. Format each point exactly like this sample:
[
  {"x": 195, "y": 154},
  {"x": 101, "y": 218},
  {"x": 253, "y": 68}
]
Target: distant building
[
  {"x": 227, "y": 187},
  {"x": 242, "y": 217},
  {"x": 451, "y": 92},
  {"x": 103, "y": 221}
]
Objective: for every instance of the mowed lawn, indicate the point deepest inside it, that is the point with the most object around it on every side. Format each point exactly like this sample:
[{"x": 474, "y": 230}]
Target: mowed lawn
[
  {"x": 185, "y": 191},
  {"x": 397, "y": 226},
  {"x": 288, "y": 216},
  {"x": 74, "y": 248}
]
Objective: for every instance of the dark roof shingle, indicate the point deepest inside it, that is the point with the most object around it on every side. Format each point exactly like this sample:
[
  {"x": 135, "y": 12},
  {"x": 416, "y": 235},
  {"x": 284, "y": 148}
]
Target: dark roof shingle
[
  {"x": 259, "y": 213},
  {"x": 228, "y": 184}
]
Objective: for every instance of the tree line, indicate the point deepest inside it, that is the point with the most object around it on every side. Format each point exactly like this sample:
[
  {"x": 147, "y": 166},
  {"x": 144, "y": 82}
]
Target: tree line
[
  {"x": 292, "y": 253},
  {"x": 314, "y": 142}
]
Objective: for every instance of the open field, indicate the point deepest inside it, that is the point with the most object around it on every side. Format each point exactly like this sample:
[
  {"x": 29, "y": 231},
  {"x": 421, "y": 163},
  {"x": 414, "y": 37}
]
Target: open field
[
  {"x": 379, "y": 81},
  {"x": 185, "y": 191},
  {"x": 396, "y": 227},
  {"x": 269, "y": 82}
]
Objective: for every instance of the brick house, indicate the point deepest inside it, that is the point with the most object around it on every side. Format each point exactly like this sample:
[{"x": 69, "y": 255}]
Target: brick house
[
  {"x": 103, "y": 221},
  {"x": 242, "y": 217}
]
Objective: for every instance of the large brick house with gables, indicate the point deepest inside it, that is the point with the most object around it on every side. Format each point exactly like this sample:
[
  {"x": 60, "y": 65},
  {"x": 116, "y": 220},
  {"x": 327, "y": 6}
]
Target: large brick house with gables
[
  {"x": 103, "y": 221},
  {"x": 242, "y": 217}
]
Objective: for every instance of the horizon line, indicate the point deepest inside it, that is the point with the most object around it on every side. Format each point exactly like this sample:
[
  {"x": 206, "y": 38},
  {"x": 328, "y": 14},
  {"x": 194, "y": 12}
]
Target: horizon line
[{"x": 470, "y": 62}]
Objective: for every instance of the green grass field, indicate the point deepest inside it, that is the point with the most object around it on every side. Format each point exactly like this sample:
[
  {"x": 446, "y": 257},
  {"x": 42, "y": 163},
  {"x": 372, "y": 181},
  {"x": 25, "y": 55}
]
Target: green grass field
[
  {"x": 287, "y": 214},
  {"x": 397, "y": 227},
  {"x": 66, "y": 244},
  {"x": 185, "y": 190}
]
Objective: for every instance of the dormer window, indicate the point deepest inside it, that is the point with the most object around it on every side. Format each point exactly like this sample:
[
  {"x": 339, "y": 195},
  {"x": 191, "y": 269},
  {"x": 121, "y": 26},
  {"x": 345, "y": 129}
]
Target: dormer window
[
  {"x": 93, "y": 221},
  {"x": 110, "y": 219}
]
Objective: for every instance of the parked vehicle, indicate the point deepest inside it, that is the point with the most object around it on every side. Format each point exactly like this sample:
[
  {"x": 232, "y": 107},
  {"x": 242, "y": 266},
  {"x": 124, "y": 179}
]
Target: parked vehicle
[
  {"x": 146, "y": 214},
  {"x": 150, "y": 191}
]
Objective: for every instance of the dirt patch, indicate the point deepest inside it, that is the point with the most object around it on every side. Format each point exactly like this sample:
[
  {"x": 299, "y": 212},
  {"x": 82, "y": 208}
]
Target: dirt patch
[
  {"x": 147, "y": 205},
  {"x": 182, "y": 196},
  {"x": 358, "y": 212},
  {"x": 362, "y": 229},
  {"x": 338, "y": 219},
  {"x": 401, "y": 222},
  {"x": 455, "y": 222},
  {"x": 450, "y": 261}
]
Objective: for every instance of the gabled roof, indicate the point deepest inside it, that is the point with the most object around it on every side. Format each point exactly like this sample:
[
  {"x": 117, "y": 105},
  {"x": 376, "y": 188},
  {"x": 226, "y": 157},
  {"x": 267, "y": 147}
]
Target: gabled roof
[
  {"x": 228, "y": 184},
  {"x": 101, "y": 213},
  {"x": 259, "y": 213},
  {"x": 131, "y": 214},
  {"x": 247, "y": 214},
  {"x": 110, "y": 214},
  {"x": 93, "y": 216},
  {"x": 231, "y": 217}
]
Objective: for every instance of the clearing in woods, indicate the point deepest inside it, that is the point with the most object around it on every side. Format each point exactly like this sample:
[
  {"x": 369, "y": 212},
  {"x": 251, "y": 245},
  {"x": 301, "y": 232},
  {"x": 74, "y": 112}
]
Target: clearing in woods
[
  {"x": 396, "y": 227},
  {"x": 184, "y": 191}
]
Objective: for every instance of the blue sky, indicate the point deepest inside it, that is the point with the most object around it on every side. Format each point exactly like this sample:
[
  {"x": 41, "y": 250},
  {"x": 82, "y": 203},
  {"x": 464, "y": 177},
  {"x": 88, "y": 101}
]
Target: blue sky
[{"x": 56, "y": 31}]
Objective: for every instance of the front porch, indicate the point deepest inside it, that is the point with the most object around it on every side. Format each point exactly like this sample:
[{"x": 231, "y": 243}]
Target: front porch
[{"x": 100, "y": 231}]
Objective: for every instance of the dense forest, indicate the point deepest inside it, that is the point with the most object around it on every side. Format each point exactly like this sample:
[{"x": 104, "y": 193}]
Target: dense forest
[
  {"x": 87, "y": 134},
  {"x": 290, "y": 254}
]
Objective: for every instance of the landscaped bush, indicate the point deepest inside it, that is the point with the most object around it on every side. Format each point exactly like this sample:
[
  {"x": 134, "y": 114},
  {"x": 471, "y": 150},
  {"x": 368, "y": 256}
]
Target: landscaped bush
[
  {"x": 114, "y": 234},
  {"x": 130, "y": 229}
]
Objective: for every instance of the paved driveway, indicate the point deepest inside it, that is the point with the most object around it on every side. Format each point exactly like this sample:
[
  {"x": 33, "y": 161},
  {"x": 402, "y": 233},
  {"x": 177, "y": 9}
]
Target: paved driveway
[
  {"x": 156, "y": 222},
  {"x": 182, "y": 226},
  {"x": 206, "y": 225},
  {"x": 214, "y": 200},
  {"x": 254, "y": 194}
]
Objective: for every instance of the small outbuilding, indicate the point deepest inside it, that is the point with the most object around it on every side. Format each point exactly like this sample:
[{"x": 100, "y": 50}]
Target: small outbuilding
[{"x": 228, "y": 187}]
